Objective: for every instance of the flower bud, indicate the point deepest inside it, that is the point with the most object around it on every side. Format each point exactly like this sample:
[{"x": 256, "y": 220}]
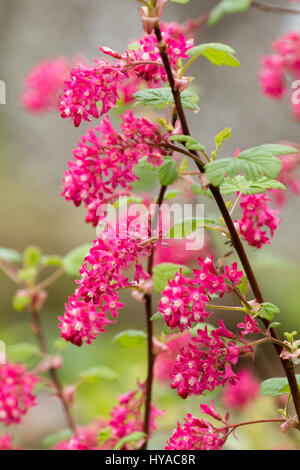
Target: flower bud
[{"x": 69, "y": 393}]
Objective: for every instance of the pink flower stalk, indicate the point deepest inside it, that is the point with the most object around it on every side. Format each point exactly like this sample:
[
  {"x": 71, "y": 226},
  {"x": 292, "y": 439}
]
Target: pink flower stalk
[
  {"x": 199, "y": 434},
  {"x": 102, "y": 276},
  {"x": 104, "y": 161},
  {"x": 183, "y": 301},
  {"x": 43, "y": 85},
  {"x": 256, "y": 215},
  {"x": 208, "y": 363},
  {"x": 16, "y": 392},
  {"x": 128, "y": 416},
  {"x": 244, "y": 392},
  {"x": 164, "y": 361}
]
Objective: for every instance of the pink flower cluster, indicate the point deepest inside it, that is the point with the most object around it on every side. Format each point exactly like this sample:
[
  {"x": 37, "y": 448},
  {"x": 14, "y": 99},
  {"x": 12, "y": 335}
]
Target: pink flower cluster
[
  {"x": 244, "y": 392},
  {"x": 43, "y": 85},
  {"x": 199, "y": 434},
  {"x": 288, "y": 176},
  {"x": 6, "y": 442},
  {"x": 256, "y": 215},
  {"x": 104, "y": 161},
  {"x": 102, "y": 276},
  {"x": 16, "y": 392},
  {"x": 165, "y": 360},
  {"x": 207, "y": 362},
  {"x": 275, "y": 68},
  {"x": 183, "y": 301}
]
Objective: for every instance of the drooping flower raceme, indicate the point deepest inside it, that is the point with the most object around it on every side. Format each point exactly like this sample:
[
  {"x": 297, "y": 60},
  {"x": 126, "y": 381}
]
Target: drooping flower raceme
[
  {"x": 244, "y": 392},
  {"x": 104, "y": 161},
  {"x": 256, "y": 216},
  {"x": 183, "y": 301},
  {"x": 16, "y": 392},
  {"x": 103, "y": 274}
]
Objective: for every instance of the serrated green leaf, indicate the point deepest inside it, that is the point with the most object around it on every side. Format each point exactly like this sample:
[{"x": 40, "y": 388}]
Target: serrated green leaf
[
  {"x": 11, "y": 256},
  {"x": 240, "y": 184},
  {"x": 197, "y": 189},
  {"x": 220, "y": 138},
  {"x": 217, "y": 53},
  {"x": 161, "y": 97},
  {"x": 185, "y": 227},
  {"x": 255, "y": 163},
  {"x": 276, "y": 386},
  {"x": 22, "y": 352},
  {"x": 74, "y": 259},
  {"x": 168, "y": 173},
  {"x": 130, "y": 338},
  {"x": 228, "y": 6},
  {"x": 32, "y": 256},
  {"x": 133, "y": 437},
  {"x": 166, "y": 271},
  {"x": 268, "y": 311},
  {"x": 52, "y": 439},
  {"x": 190, "y": 142},
  {"x": 97, "y": 373}
]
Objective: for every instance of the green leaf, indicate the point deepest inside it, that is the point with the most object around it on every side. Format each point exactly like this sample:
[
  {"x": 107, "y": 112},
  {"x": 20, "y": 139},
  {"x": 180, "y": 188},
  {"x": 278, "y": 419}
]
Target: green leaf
[
  {"x": 97, "y": 373},
  {"x": 32, "y": 256},
  {"x": 276, "y": 386},
  {"x": 168, "y": 173},
  {"x": 240, "y": 184},
  {"x": 201, "y": 326},
  {"x": 129, "y": 339},
  {"x": 143, "y": 163},
  {"x": 187, "y": 226},
  {"x": 166, "y": 271},
  {"x": 243, "y": 286},
  {"x": 121, "y": 202},
  {"x": 255, "y": 163},
  {"x": 22, "y": 352},
  {"x": 52, "y": 439},
  {"x": 51, "y": 260},
  {"x": 275, "y": 324},
  {"x": 197, "y": 189},
  {"x": 19, "y": 302},
  {"x": 190, "y": 142},
  {"x": 157, "y": 316},
  {"x": 220, "y": 138},
  {"x": 217, "y": 53},
  {"x": 133, "y": 437},
  {"x": 268, "y": 311},
  {"x": 11, "y": 256},
  {"x": 171, "y": 193},
  {"x": 161, "y": 97},
  {"x": 228, "y": 6},
  {"x": 180, "y": 1},
  {"x": 74, "y": 259},
  {"x": 103, "y": 435}
]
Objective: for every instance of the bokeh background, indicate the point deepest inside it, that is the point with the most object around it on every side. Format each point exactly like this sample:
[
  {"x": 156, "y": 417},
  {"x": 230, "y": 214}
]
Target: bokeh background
[{"x": 34, "y": 151}]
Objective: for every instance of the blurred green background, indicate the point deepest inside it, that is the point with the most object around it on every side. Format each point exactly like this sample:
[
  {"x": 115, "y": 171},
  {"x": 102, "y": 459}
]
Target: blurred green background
[{"x": 34, "y": 151}]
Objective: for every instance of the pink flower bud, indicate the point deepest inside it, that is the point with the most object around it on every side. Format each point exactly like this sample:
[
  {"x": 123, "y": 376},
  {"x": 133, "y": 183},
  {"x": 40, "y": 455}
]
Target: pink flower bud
[
  {"x": 288, "y": 424},
  {"x": 158, "y": 347},
  {"x": 149, "y": 23},
  {"x": 181, "y": 84},
  {"x": 69, "y": 393},
  {"x": 38, "y": 300}
]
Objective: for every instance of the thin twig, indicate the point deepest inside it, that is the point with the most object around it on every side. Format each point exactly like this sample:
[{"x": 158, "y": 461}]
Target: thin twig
[{"x": 270, "y": 7}]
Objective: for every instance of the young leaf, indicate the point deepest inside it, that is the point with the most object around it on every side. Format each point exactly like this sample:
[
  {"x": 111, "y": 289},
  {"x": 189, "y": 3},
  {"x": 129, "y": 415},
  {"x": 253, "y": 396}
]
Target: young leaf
[
  {"x": 166, "y": 271},
  {"x": 11, "y": 256},
  {"x": 275, "y": 324},
  {"x": 240, "y": 184},
  {"x": 161, "y": 97},
  {"x": 103, "y": 435},
  {"x": 156, "y": 316},
  {"x": 171, "y": 193},
  {"x": 268, "y": 311},
  {"x": 180, "y": 1},
  {"x": 190, "y": 142},
  {"x": 228, "y": 6},
  {"x": 32, "y": 256},
  {"x": 168, "y": 173},
  {"x": 20, "y": 302},
  {"x": 201, "y": 326},
  {"x": 51, "y": 260},
  {"x": 217, "y": 53},
  {"x": 197, "y": 189},
  {"x": 277, "y": 386},
  {"x": 52, "y": 439},
  {"x": 187, "y": 226},
  {"x": 243, "y": 286},
  {"x": 220, "y": 138},
  {"x": 130, "y": 338},
  {"x": 98, "y": 372},
  {"x": 74, "y": 259},
  {"x": 255, "y": 163},
  {"x": 133, "y": 437}
]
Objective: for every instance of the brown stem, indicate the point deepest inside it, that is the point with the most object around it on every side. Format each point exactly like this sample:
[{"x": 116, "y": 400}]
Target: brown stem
[
  {"x": 235, "y": 238},
  {"x": 149, "y": 313},
  {"x": 53, "y": 372},
  {"x": 274, "y": 8}
]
